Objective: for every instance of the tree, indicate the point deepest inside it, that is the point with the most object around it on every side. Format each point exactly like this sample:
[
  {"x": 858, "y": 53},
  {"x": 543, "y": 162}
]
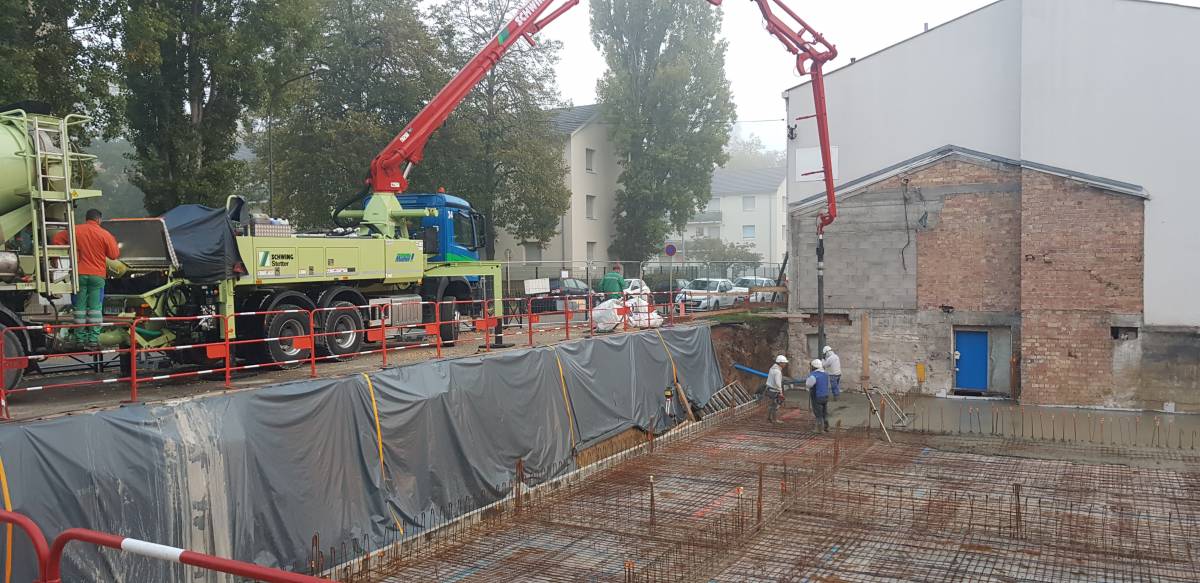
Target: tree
[
  {"x": 191, "y": 69},
  {"x": 498, "y": 149},
  {"x": 750, "y": 153},
  {"x": 667, "y": 101},
  {"x": 378, "y": 63},
  {"x": 60, "y": 52},
  {"x": 731, "y": 255}
]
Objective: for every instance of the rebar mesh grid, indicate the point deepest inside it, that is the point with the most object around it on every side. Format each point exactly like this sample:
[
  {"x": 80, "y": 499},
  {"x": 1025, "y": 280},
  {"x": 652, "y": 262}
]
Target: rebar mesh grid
[{"x": 742, "y": 500}]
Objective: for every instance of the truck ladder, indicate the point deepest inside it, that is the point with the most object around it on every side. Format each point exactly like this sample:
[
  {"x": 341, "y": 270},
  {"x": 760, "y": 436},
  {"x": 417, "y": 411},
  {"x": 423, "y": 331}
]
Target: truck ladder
[{"x": 53, "y": 209}]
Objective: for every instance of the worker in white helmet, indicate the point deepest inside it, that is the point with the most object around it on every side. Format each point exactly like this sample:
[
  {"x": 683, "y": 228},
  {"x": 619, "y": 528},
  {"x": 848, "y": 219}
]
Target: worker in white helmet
[
  {"x": 775, "y": 388},
  {"x": 833, "y": 367},
  {"x": 818, "y": 391}
]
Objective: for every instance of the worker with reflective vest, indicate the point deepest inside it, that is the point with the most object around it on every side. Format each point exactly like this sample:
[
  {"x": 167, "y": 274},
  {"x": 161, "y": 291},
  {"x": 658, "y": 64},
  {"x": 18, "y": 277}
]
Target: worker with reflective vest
[
  {"x": 94, "y": 246},
  {"x": 819, "y": 389}
]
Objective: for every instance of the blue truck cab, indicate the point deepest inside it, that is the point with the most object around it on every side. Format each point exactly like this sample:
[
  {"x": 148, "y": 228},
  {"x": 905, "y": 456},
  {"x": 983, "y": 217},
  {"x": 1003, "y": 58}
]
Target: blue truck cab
[{"x": 460, "y": 228}]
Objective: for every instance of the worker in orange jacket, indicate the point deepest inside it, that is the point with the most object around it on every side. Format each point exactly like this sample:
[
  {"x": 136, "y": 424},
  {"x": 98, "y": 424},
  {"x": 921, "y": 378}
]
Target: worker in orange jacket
[{"x": 94, "y": 246}]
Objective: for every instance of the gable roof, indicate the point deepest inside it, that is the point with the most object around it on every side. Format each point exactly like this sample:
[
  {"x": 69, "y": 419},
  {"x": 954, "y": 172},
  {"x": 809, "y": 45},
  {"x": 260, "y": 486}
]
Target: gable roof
[
  {"x": 727, "y": 181},
  {"x": 951, "y": 150},
  {"x": 568, "y": 120}
]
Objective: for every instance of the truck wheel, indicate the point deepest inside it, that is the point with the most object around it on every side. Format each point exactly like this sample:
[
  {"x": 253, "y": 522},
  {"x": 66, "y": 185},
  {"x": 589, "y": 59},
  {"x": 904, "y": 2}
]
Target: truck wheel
[
  {"x": 13, "y": 349},
  {"x": 449, "y": 314},
  {"x": 286, "y": 327},
  {"x": 344, "y": 326}
]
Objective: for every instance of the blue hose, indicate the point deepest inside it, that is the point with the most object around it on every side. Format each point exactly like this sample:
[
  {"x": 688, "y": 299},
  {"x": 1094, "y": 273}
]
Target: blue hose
[{"x": 750, "y": 370}]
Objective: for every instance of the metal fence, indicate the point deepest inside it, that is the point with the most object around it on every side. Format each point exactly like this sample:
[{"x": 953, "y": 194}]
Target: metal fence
[{"x": 653, "y": 272}]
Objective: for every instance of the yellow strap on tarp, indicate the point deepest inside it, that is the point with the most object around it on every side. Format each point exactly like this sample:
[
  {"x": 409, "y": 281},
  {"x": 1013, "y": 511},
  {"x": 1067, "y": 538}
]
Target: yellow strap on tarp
[
  {"x": 9, "y": 544},
  {"x": 687, "y": 407},
  {"x": 562, "y": 378},
  {"x": 379, "y": 440}
]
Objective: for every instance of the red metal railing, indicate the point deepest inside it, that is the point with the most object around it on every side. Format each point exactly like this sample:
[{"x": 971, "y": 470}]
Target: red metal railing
[
  {"x": 475, "y": 320},
  {"x": 49, "y": 557},
  {"x": 40, "y": 548}
]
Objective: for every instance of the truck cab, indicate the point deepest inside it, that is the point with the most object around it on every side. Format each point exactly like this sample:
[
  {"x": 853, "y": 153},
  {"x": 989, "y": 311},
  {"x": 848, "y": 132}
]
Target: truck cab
[{"x": 460, "y": 229}]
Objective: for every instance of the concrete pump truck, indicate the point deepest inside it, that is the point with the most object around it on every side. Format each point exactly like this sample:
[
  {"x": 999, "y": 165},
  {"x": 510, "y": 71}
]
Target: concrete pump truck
[{"x": 393, "y": 259}]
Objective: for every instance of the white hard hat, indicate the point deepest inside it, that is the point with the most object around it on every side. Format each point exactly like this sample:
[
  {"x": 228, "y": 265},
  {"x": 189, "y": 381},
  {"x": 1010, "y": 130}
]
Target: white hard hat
[
  {"x": 816, "y": 363},
  {"x": 781, "y": 359},
  {"x": 826, "y": 350}
]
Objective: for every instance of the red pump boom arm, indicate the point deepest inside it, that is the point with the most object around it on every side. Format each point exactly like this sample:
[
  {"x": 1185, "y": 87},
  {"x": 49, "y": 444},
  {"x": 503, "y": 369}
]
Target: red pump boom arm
[{"x": 389, "y": 169}]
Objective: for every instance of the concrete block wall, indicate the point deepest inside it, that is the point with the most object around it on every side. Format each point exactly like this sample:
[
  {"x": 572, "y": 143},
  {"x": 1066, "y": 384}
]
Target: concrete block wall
[{"x": 863, "y": 266}]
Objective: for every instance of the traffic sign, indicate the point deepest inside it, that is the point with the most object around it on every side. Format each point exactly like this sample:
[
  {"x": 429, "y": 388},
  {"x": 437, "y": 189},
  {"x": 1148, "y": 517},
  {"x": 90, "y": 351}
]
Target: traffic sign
[{"x": 670, "y": 250}]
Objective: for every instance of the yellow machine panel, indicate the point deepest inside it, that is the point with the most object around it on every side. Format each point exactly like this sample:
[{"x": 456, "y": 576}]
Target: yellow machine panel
[{"x": 301, "y": 259}]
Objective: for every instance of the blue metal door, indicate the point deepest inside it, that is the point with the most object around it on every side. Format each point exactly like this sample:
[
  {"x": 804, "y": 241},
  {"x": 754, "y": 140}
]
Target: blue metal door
[{"x": 971, "y": 370}]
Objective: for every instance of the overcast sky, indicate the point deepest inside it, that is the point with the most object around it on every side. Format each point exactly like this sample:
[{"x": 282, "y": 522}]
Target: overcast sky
[{"x": 757, "y": 65}]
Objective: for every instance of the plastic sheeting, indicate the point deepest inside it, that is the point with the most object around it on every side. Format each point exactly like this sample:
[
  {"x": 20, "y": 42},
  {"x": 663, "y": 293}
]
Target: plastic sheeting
[
  {"x": 204, "y": 242},
  {"x": 253, "y": 475}
]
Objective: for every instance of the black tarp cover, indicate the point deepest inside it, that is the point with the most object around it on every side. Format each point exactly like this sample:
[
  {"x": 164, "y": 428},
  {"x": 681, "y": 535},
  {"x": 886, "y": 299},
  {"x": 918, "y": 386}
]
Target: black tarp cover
[
  {"x": 204, "y": 242},
  {"x": 254, "y": 474}
]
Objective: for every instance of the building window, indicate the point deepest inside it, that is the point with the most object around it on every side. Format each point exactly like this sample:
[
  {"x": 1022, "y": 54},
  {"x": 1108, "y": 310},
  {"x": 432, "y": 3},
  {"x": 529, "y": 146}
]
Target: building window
[
  {"x": 747, "y": 231},
  {"x": 589, "y": 160},
  {"x": 714, "y": 205},
  {"x": 591, "y": 250},
  {"x": 591, "y": 206},
  {"x": 748, "y": 203},
  {"x": 533, "y": 252}
]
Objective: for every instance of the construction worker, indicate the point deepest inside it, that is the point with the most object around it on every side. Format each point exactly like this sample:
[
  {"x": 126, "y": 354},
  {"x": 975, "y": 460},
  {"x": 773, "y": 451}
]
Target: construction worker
[
  {"x": 775, "y": 388},
  {"x": 833, "y": 367},
  {"x": 818, "y": 390},
  {"x": 94, "y": 246},
  {"x": 612, "y": 283}
]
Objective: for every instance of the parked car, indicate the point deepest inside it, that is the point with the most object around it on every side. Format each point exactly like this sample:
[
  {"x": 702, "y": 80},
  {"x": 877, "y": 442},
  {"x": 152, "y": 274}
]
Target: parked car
[
  {"x": 707, "y": 294},
  {"x": 559, "y": 287},
  {"x": 636, "y": 286},
  {"x": 743, "y": 284},
  {"x": 666, "y": 291}
]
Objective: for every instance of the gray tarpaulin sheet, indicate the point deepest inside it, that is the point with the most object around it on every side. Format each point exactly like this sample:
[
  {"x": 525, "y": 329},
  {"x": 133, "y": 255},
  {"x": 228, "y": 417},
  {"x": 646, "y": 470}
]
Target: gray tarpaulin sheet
[{"x": 253, "y": 475}]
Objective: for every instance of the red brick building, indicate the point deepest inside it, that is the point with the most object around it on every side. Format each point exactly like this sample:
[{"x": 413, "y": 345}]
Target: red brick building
[{"x": 989, "y": 274}]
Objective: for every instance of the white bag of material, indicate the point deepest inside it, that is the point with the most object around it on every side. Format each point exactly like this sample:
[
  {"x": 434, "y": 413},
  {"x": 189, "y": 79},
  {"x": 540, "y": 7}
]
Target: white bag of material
[{"x": 607, "y": 315}]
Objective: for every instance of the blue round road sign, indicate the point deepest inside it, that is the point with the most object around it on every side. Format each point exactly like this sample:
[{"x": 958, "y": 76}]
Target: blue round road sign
[{"x": 670, "y": 250}]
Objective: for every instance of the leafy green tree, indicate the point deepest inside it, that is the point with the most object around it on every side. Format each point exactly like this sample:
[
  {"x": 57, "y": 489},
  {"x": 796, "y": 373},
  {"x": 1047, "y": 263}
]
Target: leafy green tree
[
  {"x": 668, "y": 104},
  {"x": 498, "y": 149},
  {"x": 60, "y": 52},
  {"x": 376, "y": 65},
  {"x": 732, "y": 256},
  {"x": 191, "y": 69}
]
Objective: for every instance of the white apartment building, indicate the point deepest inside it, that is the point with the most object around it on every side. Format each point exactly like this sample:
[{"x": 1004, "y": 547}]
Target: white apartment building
[
  {"x": 748, "y": 205},
  {"x": 586, "y": 229}
]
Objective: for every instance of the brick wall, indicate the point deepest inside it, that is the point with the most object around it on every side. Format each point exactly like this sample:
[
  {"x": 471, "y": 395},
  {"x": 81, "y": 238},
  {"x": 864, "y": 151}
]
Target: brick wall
[
  {"x": 1081, "y": 263},
  {"x": 971, "y": 260},
  {"x": 1066, "y": 357},
  {"x": 1081, "y": 247}
]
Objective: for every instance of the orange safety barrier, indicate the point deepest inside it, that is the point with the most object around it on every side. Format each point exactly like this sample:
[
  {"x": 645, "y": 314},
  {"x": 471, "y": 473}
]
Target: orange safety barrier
[
  {"x": 479, "y": 314},
  {"x": 22, "y": 362}
]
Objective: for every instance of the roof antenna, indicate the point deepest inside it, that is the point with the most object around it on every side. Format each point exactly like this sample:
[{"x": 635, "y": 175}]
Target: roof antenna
[{"x": 926, "y": 27}]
